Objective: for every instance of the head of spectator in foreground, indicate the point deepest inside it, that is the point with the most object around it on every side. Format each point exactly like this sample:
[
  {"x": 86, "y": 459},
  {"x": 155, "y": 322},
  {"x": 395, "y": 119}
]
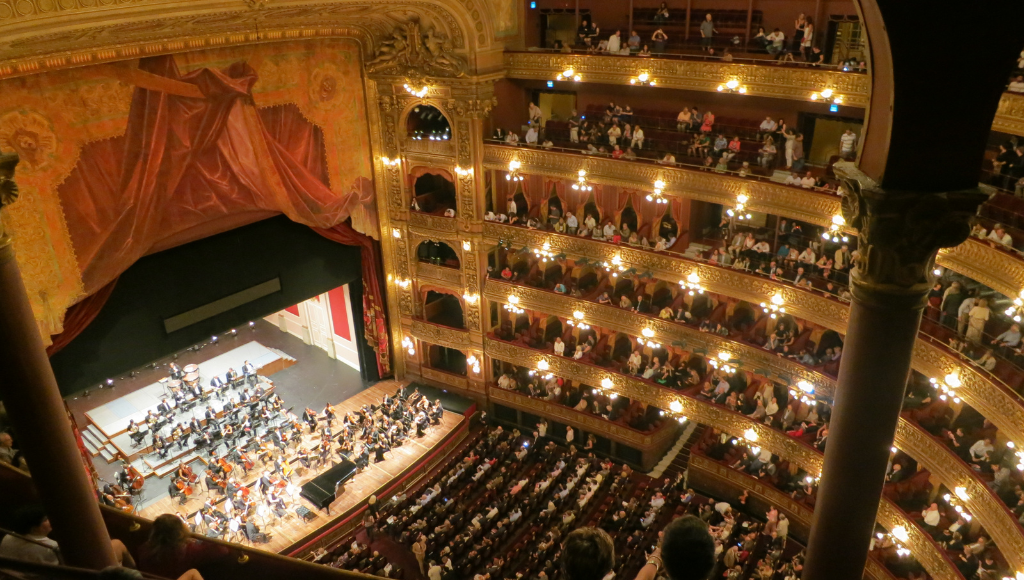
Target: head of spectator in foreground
[
  {"x": 687, "y": 549},
  {"x": 587, "y": 554},
  {"x": 167, "y": 536},
  {"x": 31, "y": 520}
]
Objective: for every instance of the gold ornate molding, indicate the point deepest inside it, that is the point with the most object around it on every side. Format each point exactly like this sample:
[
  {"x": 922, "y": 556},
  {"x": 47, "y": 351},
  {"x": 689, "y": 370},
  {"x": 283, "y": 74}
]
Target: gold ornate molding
[
  {"x": 981, "y": 502},
  {"x": 767, "y": 80},
  {"x": 435, "y": 223},
  {"x": 729, "y": 422},
  {"x": 588, "y": 422},
  {"x": 441, "y": 335},
  {"x": 769, "y": 493},
  {"x": 994, "y": 400},
  {"x": 980, "y": 261},
  {"x": 752, "y": 358},
  {"x": 1010, "y": 114},
  {"x": 449, "y": 277},
  {"x": 875, "y": 571},
  {"x": 766, "y": 196},
  {"x": 444, "y": 378},
  {"x": 429, "y": 151}
]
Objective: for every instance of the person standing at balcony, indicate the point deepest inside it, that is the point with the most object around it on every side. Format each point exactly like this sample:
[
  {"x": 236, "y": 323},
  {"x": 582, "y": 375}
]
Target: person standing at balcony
[
  {"x": 615, "y": 42},
  {"x": 999, "y": 236},
  {"x": 638, "y": 138},
  {"x": 633, "y": 42},
  {"x": 574, "y": 127},
  {"x": 842, "y": 260},
  {"x": 559, "y": 346},
  {"x": 658, "y": 39},
  {"x": 767, "y": 153},
  {"x": 977, "y": 317},
  {"x": 962, "y": 313},
  {"x": 798, "y": 35},
  {"x": 807, "y": 41},
  {"x": 847, "y": 143},
  {"x": 707, "y": 32}
]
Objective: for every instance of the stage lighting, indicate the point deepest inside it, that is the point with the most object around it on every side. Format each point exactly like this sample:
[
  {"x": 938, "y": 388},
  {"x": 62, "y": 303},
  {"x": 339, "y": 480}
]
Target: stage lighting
[
  {"x": 213, "y": 340},
  {"x": 252, "y": 324},
  {"x": 110, "y": 381}
]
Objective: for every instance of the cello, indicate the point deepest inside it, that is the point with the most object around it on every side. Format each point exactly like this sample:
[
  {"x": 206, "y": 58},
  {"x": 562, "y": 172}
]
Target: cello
[
  {"x": 185, "y": 472},
  {"x": 135, "y": 478}
]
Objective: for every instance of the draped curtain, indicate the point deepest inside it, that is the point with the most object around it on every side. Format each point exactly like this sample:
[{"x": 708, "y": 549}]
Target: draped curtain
[
  {"x": 612, "y": 200},
  {"x": 79, "y": 316},
  {"x": 196, "y": 155}
]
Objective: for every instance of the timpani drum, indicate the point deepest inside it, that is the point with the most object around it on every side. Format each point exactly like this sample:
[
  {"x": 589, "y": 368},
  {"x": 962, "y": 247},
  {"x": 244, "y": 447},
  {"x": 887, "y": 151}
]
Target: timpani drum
[
  {"x": 189, "y": 369},
  {"x": 174, "y": 385},
  {"x": 192, "y": 379}
]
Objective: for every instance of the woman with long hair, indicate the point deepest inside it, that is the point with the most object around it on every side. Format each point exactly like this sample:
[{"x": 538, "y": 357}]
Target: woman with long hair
[{"x": 171, "y": 552}]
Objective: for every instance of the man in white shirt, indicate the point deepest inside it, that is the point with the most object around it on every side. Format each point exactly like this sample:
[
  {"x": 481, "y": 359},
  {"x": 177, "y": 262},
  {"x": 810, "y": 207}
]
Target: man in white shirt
[
  {"x": 847, "y": 142},
  {"x": 1017, "y": 84},
  {"x": 792, "y": 179},
  {"x": 638, "y": 138},
  {"x": 932, "y": 516},
  {"x": 723, "y": 507},
  {"x": 613, "y": 134},
  {"x": 609, "y": 230},
  {"x": 808, "y": 181},
  {"x": 807, "y": 256},
  {"x": 999, "y": 235},
  {"x": 767, "y": 126},
  {"x": 559, "y": 346},
  {"x": 32, "y": 523},
  {"x": 531, "y": 135},
  {"x": 572, "y": 224},
  {"x": 434, "y": 572},
  {"x": 589, "y": 222},
  {"x": 776, "y": 39},
  {"x": 981, "y": 449},
  {"x": 511, "y": 206}
]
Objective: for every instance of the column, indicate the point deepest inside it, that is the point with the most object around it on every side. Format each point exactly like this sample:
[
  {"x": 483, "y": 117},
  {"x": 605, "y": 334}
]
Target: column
[
  {"x": 899, "y": 236},
  {"x": 29, "y": 391}
]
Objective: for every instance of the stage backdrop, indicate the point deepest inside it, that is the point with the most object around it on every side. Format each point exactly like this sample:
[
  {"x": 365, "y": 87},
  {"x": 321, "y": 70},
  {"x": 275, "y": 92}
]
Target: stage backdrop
[{"x": 123, "y": 160}]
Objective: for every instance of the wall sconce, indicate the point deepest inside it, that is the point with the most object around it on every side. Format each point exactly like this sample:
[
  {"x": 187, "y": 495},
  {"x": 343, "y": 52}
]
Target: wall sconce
[
  {"x": 804, "y": 392},
  {"x": 577, "y": 321},
  {"x": 607, "y": 383},
  {"x": 899, "y": 536},
  {"x": 403, "y": 283},
  {"x": 732, "y": 86},
  {"x": 615, "y": 267},
  {"x": 463, "y": 172},
  {"x": 948, "y": 387},
  {"x": 543, "y": 365},
  {"x": 1014, "y": 311},
  {"x": 721, "y": 362},
  {"x": 418, "y": 93},
  {"x": 545, "y": 253},
  {"x": 409, "y": 346},
  {"x": 827, "y": 96},
  {"x": 642, "y": 79},
  {"x": 647, "y": 339},
  {"x": 774, "y": 307},
  {"x": 581, "y": 181},
  {"x": 739, "y": 210},
  {"x": 656, "y": 195},
  {"x": 568, "y": 74},
  {"x": 397, "y": 233},
  {"x": 473, "y": 363},
  {"x": 513, "y": 304},
  {"x": 467, "y": 245},
  {"x": 835, "y": 232},
  {"x": 513, "y": 171},
  {"x": 388, "y": 162},
  {"x": 692, "y": 284},
  {"x": 471, "y": 298},
  {"x": 959, "y": 494}
]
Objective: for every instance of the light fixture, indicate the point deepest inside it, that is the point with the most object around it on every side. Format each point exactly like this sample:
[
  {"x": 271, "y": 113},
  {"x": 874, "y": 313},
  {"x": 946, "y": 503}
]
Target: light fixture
[
  {"x": 1017, "y": 576},
  {"x": 568, "y": 74},
  {"x": 545, "y": 253},
  {"x": 732, "y": 86},
  {"x": 388, "y": 162},
  {"x": 397, "y": 233},
  {"x": 1018, "y": 452},
  {"x": 403, "y": 283},
  {"x": 418, "y": 93},
  {"x": 513, "y": 304},
  {"x": 461, "y": 172},
  {"x": 954, "y": 500},
  {"x": 213, "y": 340},
  {"x": 1015, "y": 311},
  {"x": 615, "y": 266},
  {"x": 739, "y": 211},
  {"x": 721, "y": 362},
  {"x": 642, "y": 79},
  {"x": 581, "y": 181},
  {"x": 606, "y": 383},
  {"x": 473, "y": 363},
  {"x": 750, "y": 435},
  {"x": 409, "y": 346},
  {"x": 827, "y": 96},
  {"x": 647, "y": 339},
  {"x": 835, "y": 230},
  {"x": 947, "y": 387},
  {"x": 656, "y": 195},
  {"x": 775, "y": 306},
  {"x": 675, "y": 407},
  {"x": 471, "y": 298},
  {"x": 110, "y": 382},
  {"x": 899, "y": 536},
  {"x": 692, "y": 284},
  {"x": 513, "y": 171},
  {"x": 577, "y": 321},
  {"x": 804, "y": 392},
  {"x": 543, "y": 365},
  {"x": 893, "y": 449},
  {"x": 467, "y": 245}
]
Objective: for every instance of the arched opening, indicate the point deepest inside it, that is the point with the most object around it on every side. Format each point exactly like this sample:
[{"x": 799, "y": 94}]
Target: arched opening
[
  {"x": 552, "y": 329},
  {"x": 555, "y": 209},
  {"x": 426, "y": 122},
  {"x": 623, "y": 348},
  {"x": 447, "y": 359},
  {"x": 743, "y": 317},
  {"x": 439, "y": 253},
  {"x": 522, "y": 323},
  {"x": 669, "y": 228},
  {"x": 623, "y": 286},
  {"x": 552, "y": 274},
  {"x": 443, "y": 309},
  {"x": 434, "y": 193},
  {"x": 586, "y": 279},
  {"x": 662, "y": 295},
  {"x": 590, "y": 209},
  {"x": 522, "y": 204},
  {"x": 628, "y": 219}
]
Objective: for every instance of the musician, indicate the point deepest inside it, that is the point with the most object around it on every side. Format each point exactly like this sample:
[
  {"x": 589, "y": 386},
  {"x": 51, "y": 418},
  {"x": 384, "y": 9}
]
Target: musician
[
  {"x": 177, "y": 489},
  {"x": 211, "y": 416},
  {"x": 364, "y": 458},
  {"x": 197, "y": 390},
  {"x": 378, "y": 450},
  {"x": 276, "y": 503},
  {"x": 206, "y": 442},
  {"x": 176, "y": 372},
  {"x": 329, "y": 415},
  {"x": 263, "y": 484},
  {"x": 244, "y": 397},
  {"x": 177, "y": 434},
  {"x": 231, "y": 487},
  {"x": 214, "y": 527},
  {"x": 249, "y": 372},
  {"x": 276, "y": 402},
  {"x": 258, "y": 391},
  {"x": 216, "y": 384},
  {"x": 303, "y": 456},
  {"x": 229, "y": 407},
  {"x": 152, "y": 419},
  {"x": 194, "y": 427},
  {"x": 160, "y": 445},
  {"x": 309, "y": 416},
  {"x": 325, "y": 450},
  {"x": 226, "y": 432},
  {"x": 179, "y": 398},
  {"x": 230, "y": 377},
  {"x": 124, "y": 477}
]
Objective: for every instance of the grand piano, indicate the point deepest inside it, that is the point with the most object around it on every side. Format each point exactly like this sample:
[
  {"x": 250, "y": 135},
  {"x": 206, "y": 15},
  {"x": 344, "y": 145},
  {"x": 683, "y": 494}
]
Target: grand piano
[{"x": 320, "y": 491}]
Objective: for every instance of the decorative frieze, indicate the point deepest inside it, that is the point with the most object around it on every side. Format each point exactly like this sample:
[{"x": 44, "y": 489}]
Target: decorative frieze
[
  {"x": 448, "y": 277},
  {"x": 436, "y": 223},
  {"x": 983, "y": 262},
  {"x": 1010, "y": 114},
  {"x": 441, "y": 335}
]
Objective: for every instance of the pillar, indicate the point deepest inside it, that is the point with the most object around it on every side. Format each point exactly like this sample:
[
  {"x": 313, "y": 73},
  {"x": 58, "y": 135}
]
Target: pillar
[
  {"x": 34, "y": 405},
  {"x": 899, "y": 234}
]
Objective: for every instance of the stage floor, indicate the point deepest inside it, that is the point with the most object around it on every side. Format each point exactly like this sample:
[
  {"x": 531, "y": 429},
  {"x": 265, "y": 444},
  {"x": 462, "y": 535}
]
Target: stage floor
[{"x": 291, "y": 529}]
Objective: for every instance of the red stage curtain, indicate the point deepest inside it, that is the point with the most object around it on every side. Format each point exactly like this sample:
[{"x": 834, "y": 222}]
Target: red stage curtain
[
  {"x": 80, "y": 316},
  {"x": 375, "y": 320},
  {"x": 304, "y": 142}
]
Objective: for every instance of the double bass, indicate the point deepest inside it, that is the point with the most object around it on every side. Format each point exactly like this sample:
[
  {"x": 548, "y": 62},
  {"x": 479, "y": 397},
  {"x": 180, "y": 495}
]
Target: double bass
[
  {"x": 186, "y": 473},
  {"x": 135, "y": 479},
  {"x": 183, "y": 486},
  {"x": 247, "y": 462}
]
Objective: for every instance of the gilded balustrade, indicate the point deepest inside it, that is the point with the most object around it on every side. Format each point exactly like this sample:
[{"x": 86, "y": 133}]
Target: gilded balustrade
[
  {"x": 441, "y": 335},
  {"x": 765, "y": 80},
  {"x": 450, "y": 278},
  {"x": 980, "y": 261},
  {"x": 730, "y": 422},
  {"x": 984, "y": 392},
  {"x": 1010, "y": 114}
]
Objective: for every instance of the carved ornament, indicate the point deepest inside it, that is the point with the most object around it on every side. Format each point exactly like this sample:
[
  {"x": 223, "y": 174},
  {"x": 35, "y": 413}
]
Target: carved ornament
[
  {"x": 925, "y": 550},
  {"x": 1010, "y": 114},
  {"x": 899, "y": 235},
  {"x": 767, "y": 80},
  {"x": 415, "y": 51},
  {"x": 8, "y": 195},
  {"x": 448, "y": 277},
  {"x": 980, "y": 261},
  {"x": 444, "y": 378},
  {"x": 441, "y": 335},
  {"x": 766, "y": 196}
]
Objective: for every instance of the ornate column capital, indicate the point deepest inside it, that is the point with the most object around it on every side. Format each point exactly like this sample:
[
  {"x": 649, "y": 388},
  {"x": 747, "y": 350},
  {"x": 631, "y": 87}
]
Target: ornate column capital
[
  {"x": 8, "y": 195},
  {"x": 899, "y": 234}
]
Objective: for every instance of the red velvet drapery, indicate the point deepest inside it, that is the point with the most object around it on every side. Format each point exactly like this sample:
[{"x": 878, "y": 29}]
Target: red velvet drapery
[
  {"x": 80, "y": 316},
  {"x": 195, "y": 161}
]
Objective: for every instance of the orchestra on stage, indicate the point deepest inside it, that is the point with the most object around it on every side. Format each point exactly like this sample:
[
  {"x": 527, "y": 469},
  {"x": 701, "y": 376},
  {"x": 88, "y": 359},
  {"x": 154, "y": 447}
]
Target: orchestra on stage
[{"x": 255, "y": 433}]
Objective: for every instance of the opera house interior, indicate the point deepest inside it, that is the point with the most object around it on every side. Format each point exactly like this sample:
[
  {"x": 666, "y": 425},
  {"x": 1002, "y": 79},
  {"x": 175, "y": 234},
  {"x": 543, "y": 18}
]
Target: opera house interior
[{"x": 510, "y": 290}]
